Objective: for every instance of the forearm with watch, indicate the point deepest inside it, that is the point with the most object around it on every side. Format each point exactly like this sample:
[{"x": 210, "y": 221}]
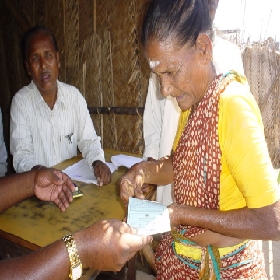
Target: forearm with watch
[
  {"x": 76, "y": 267},
  {"x": 48, "y": 263}
]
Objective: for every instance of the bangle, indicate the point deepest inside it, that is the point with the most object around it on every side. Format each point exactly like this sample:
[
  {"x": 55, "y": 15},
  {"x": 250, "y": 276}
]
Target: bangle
[{"x": 76, "y": 268}]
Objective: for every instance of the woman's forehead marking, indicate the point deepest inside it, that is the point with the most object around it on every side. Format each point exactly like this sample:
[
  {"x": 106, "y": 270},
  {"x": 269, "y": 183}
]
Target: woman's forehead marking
[{"x": 153, "y": 63}]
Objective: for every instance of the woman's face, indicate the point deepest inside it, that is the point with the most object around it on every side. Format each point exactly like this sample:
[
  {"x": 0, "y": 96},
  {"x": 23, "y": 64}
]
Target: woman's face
[{"x": 183, "y": 71}]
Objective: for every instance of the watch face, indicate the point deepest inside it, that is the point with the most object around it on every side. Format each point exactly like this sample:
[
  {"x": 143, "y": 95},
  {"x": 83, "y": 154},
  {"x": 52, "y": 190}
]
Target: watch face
[{"x": 77, "y": 272}]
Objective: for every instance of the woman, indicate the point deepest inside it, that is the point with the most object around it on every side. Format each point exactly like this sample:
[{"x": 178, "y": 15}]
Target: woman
[{"x": 225, "y": 188}]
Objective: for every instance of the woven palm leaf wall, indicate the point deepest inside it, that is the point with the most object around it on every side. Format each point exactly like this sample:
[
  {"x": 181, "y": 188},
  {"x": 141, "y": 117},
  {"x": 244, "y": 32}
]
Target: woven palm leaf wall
[
  {"x": 262, "y": 68},
  {"x": 124, "y": 83},
  {"x": 101, "y": 55}
]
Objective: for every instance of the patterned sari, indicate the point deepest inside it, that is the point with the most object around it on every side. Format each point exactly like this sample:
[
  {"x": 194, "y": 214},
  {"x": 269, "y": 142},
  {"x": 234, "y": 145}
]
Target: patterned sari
[{"x": 197, "y": 168}]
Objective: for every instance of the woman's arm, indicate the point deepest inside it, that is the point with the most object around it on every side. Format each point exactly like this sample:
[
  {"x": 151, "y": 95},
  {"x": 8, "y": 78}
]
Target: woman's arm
[
  {"x": 159, "y": 172},
  {"x": 246, "y": 223},
  {"x": 244, "y": 147}
]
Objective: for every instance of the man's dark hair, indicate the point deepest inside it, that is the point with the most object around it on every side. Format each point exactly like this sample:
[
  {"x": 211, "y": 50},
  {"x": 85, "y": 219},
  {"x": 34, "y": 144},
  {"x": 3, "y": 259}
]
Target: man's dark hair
[
  {"x": 180, "y": 20},
  {"x": 28, "y": 35}
]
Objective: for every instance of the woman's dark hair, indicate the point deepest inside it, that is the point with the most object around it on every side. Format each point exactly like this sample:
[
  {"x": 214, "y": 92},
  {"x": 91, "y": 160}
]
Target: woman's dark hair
[
  {"x": 28, "y": 35},
  {"x": 180, "y": 20}
]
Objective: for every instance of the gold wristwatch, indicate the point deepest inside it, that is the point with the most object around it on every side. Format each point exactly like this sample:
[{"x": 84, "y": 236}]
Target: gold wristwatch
[{"x": 76, "y": 268}]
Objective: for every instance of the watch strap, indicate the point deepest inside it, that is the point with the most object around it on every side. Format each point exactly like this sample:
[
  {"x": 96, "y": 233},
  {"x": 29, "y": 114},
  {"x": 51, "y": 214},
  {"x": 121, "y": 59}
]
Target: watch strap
[{"x": 76, "y": 269}]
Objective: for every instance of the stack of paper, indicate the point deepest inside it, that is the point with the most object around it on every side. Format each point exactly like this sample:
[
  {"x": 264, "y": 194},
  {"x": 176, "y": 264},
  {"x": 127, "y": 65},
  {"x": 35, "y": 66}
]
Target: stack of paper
[
  {"x": 81, "y": 171},
  {"x": 124, "y": 160}
]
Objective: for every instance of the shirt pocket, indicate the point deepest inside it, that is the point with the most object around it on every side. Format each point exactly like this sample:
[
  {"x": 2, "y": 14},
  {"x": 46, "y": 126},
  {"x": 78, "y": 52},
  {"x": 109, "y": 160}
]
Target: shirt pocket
[{"x": 68, "y": 145}]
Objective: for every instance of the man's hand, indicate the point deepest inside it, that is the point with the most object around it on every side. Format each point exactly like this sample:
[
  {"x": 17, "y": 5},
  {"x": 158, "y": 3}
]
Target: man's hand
[
  {"x": 108, "y": 244},
  {"x": 54, "y": 185},
  {"x": 102, "y": 173}
]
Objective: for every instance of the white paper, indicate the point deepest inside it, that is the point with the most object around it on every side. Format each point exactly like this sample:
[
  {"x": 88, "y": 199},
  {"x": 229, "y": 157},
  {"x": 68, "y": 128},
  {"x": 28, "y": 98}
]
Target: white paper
[
  {"x": 124, "y": 160},
  {"x": 81, "y": 171},
  {"x": 149, "y": 217}
]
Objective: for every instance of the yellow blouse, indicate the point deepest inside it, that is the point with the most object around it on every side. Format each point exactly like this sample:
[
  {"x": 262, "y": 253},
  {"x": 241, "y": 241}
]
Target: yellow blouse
[{"x": 247, "y": 177}]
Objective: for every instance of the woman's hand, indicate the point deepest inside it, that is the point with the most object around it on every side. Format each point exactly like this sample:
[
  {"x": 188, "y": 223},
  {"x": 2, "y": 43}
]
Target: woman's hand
[{"x": 132, "y": 182}]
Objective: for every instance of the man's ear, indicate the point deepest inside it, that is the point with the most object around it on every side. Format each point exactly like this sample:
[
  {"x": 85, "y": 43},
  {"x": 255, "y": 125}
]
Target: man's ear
[
  {"x": 203, "y": 46},
  {"x": 58, "y": 60}
]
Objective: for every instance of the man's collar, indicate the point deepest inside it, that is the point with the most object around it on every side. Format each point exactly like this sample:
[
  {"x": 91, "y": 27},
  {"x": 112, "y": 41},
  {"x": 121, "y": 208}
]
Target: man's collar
[{"x": 60, "y": 101}]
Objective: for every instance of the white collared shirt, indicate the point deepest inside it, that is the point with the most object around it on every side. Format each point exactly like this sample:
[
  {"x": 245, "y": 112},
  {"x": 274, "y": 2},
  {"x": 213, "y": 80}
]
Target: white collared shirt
[
  {"x": 41, "y": 136},
  {"x": 3, "y": 151}
]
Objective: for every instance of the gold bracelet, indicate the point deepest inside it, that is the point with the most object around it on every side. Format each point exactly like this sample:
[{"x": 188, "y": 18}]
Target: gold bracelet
[{"x": 76, "y": 268}]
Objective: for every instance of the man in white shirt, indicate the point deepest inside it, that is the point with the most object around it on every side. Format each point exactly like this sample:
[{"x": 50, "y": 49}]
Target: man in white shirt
[
  {"x": 161, "y": 115},
  {"x": 50, "y": 119},
  {"x": 3, "y": 151}
]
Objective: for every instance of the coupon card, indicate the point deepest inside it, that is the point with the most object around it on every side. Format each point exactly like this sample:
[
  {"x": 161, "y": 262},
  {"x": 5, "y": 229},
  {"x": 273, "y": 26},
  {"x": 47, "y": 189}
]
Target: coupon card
[{"x": 149, "y": 217}]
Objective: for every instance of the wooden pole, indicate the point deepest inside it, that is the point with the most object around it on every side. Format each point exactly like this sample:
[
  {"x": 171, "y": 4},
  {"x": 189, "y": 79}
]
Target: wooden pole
[{"x": 94, "y": 16}]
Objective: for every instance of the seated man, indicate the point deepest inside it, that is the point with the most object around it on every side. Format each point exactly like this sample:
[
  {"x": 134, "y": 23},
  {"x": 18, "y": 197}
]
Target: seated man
[
  {"x": 50, "y": 119},
  {"x": 105, "y": 245},
  {"x": 3, "y": 151}
]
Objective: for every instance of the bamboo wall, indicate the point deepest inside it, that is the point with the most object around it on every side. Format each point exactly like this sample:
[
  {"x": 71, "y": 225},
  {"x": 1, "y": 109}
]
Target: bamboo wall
[
  {"x": 262, "y": 67},
  {"x": 101, "y": 55}
]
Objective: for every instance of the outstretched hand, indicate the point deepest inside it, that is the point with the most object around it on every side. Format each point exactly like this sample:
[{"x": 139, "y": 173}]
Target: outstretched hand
[
  {"x": 53, "y": 185},
  {"x": 108, "y": 244}
]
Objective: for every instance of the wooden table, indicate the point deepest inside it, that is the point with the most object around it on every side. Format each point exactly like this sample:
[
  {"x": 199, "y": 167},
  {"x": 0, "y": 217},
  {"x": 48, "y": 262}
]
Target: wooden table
[{"x": 32, "y": 224}]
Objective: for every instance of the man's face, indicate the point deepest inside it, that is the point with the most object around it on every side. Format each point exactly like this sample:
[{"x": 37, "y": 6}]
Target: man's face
[{"x": 42, "y": 63}]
